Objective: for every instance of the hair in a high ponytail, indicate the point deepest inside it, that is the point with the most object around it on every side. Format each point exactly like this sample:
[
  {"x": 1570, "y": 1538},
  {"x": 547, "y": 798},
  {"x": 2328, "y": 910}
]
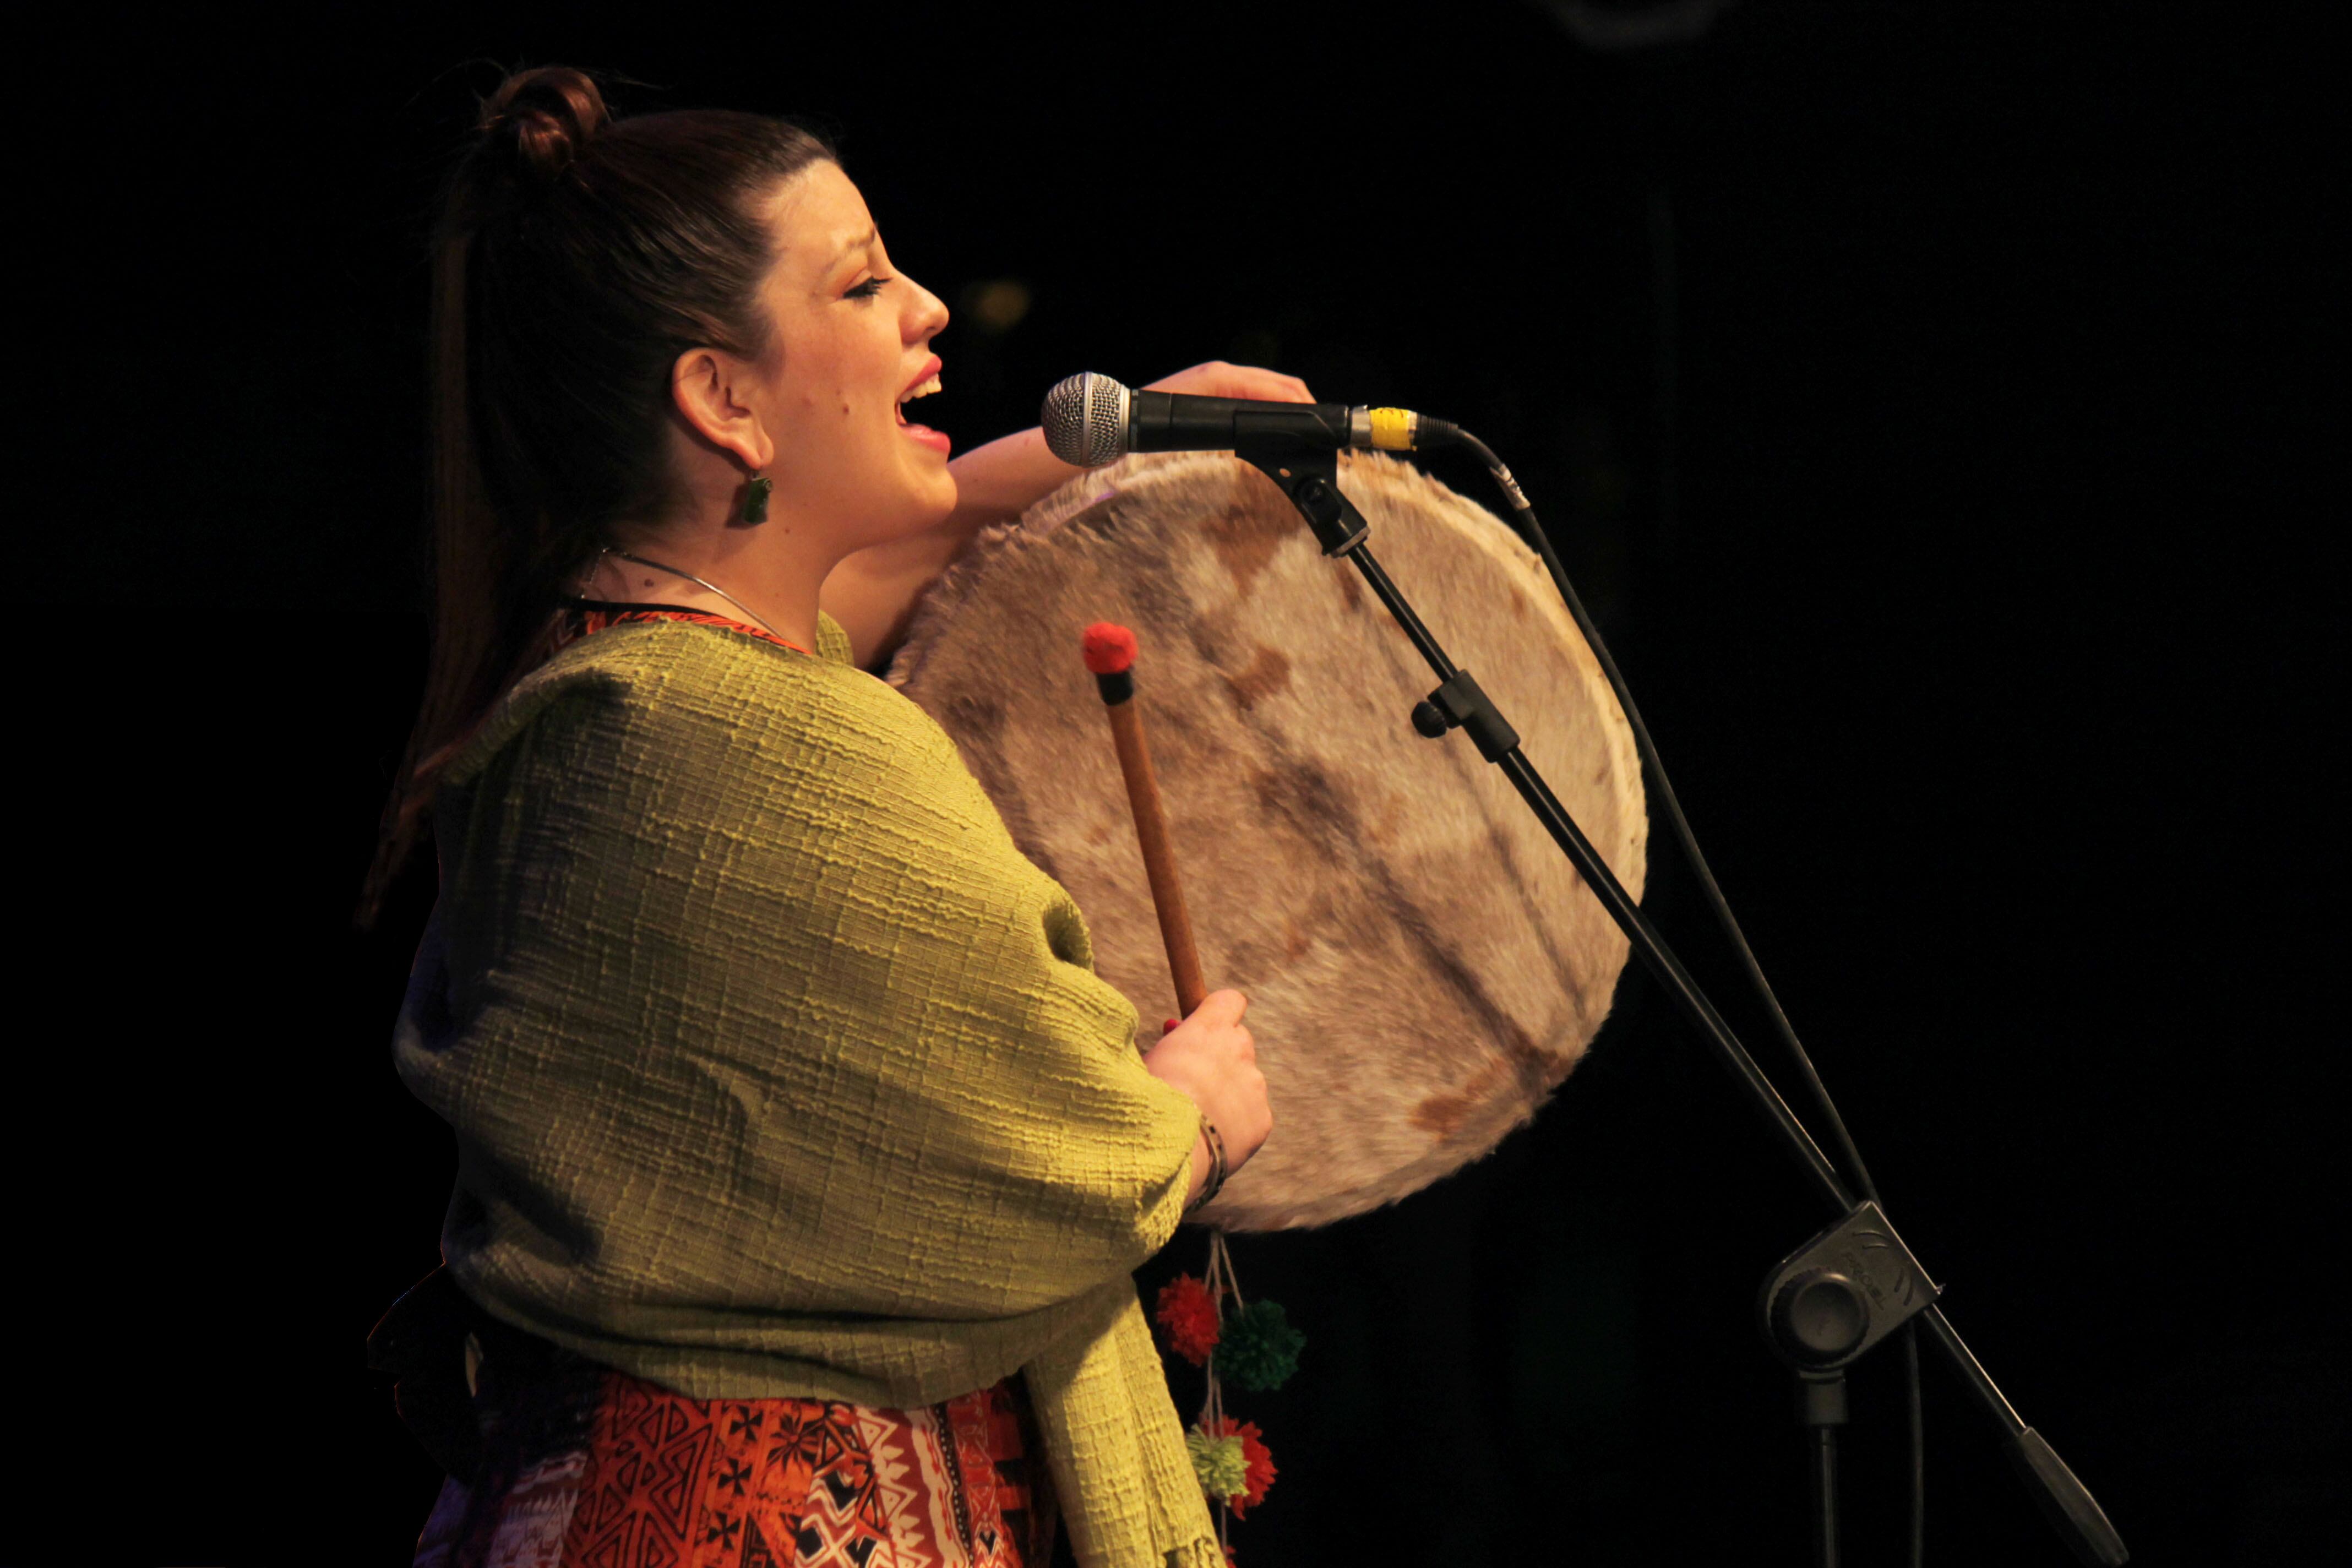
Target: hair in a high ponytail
[
  {"x": 544, "y": 118},
  {"x": 577, "y": 256}
]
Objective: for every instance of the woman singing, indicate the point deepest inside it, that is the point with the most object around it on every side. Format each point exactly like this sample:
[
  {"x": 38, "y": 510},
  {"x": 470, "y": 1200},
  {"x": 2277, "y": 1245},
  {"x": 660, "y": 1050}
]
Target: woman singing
[{"x": 802, "y": 1159}]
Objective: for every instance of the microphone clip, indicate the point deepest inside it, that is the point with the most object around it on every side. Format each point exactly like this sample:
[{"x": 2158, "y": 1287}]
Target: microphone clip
[{"x": 1310, "y": 476}]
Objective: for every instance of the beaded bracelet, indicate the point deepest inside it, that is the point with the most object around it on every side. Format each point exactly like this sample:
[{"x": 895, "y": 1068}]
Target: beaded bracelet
[{"x": 1216, "y": 1165}]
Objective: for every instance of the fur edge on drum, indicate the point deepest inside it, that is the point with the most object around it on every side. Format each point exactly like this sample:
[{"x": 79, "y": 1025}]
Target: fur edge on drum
[{"x": 1424, "y": 967}]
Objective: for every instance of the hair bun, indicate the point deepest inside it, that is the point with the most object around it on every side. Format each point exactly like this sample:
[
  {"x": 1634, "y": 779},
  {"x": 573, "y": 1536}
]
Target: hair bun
[{"x": 546, "y": 115}]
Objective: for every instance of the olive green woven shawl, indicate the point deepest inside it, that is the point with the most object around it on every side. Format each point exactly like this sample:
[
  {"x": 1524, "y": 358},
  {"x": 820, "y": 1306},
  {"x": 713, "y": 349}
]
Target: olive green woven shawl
[{"x": 777, "y": 1070}]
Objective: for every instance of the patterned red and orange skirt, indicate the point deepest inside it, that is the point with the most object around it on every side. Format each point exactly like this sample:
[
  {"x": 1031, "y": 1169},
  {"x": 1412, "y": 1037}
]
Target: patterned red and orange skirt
[{"x": 599, "y": 1470}]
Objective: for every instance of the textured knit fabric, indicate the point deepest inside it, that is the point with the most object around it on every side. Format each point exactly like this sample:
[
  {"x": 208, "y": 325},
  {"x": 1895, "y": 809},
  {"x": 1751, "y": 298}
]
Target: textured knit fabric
[{"x": 778, "y": 1071}]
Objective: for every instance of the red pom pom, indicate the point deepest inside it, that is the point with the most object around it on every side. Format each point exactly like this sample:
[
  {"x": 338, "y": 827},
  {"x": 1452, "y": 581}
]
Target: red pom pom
[
  {"x": 1189, "y": 1313},
  {"x": 1259, "y": 1463},
  {"x": 1109, "y": 647}
]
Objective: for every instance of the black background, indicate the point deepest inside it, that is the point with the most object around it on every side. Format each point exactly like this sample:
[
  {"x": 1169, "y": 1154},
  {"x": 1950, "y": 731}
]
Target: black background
[{"x": 1930, "y": 399}]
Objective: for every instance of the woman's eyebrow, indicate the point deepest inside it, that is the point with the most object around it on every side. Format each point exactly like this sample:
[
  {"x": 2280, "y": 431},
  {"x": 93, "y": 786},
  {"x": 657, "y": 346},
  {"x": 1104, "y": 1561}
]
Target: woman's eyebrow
[{"x": 861, "y": 243}]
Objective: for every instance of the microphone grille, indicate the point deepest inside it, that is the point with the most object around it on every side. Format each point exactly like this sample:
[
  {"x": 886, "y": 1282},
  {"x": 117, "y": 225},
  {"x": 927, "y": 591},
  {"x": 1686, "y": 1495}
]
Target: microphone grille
[{"x": 1085, "y": 419}]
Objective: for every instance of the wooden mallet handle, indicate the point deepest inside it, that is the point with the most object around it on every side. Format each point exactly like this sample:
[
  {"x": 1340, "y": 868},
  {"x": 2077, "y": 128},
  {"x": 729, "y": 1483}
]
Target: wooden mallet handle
[{"x": 1110, "y": 653}]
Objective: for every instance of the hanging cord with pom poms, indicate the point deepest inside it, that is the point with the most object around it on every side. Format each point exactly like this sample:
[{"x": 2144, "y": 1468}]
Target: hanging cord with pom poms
[{"x": 1206, "y": 1322}]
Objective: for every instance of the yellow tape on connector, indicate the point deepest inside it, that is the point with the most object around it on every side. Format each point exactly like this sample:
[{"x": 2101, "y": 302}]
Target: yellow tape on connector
[{"x": 1393, "y": 429}]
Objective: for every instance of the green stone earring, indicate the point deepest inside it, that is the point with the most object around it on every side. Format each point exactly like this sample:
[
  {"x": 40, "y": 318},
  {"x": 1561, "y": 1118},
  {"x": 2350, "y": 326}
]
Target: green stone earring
[{"x": 755, "y": 499}]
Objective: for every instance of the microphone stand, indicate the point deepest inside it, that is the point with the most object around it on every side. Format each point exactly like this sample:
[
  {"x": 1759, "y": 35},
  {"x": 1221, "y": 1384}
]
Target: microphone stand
[{"x": 1854, "y": 1283}]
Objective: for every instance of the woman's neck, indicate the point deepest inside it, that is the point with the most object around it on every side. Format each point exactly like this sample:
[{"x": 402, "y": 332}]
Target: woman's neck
[{"x": 757, "y": 580}]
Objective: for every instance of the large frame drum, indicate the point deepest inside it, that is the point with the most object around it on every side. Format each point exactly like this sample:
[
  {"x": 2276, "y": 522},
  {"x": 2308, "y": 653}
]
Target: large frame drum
[{"x": 1424, "y": 966}]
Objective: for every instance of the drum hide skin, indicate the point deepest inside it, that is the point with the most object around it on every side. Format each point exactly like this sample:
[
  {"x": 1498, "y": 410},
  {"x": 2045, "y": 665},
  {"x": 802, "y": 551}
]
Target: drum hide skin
[{"x": 1424, "y": 966}]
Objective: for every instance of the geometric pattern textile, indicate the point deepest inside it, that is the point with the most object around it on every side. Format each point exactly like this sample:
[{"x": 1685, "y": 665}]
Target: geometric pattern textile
[{"x": 665, "y": 1481}]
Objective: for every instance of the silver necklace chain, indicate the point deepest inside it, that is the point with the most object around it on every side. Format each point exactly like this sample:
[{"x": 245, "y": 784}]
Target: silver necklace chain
[{"x": 697, "y": 582}]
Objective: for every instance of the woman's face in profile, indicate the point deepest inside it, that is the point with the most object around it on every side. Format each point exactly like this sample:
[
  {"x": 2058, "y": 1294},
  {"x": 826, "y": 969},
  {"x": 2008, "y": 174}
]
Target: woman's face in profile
[{"x": 851, "y": 340}]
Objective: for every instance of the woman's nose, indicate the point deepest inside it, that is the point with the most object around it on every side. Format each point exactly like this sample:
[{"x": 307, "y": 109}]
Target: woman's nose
[{"x": 928, "y": 316}]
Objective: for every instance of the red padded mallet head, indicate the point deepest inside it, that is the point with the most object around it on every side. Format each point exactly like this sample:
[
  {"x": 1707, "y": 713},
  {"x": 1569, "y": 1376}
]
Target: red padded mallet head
[{"x": 1109, "y": 647}]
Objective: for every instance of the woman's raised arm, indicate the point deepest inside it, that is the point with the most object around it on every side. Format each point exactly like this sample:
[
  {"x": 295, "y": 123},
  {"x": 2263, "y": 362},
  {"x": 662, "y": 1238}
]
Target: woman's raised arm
[{"x": 873, "y": 593}]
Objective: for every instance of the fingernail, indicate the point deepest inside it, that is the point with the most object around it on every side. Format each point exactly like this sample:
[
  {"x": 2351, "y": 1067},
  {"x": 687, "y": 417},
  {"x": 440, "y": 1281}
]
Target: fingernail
[{"x": 1170, "y": 1024}]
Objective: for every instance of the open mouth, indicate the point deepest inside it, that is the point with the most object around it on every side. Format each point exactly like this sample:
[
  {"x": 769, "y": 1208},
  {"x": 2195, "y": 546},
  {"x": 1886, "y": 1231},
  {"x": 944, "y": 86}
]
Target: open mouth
[
  {"x": 923, "y": 388},
  {"x": 920, "y": 389},
  {"x": 923, "y": 434}
]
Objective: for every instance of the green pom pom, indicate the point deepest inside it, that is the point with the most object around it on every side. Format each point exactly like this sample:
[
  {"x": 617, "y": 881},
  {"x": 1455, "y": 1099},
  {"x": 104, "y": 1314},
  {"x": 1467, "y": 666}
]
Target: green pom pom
[
  {"x": 1259, "y": 1348},
  {"x": 1219, "y": 1462}
]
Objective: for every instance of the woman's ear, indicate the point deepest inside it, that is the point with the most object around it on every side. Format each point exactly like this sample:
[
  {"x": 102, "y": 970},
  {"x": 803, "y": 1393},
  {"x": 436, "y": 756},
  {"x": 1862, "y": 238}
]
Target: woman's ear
[{"x": 713, "y": 393}]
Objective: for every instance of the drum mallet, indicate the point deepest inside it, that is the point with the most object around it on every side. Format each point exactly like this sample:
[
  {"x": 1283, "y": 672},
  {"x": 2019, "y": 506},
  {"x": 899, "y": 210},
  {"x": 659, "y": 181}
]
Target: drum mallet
[{"x": 1110, "y": 650}]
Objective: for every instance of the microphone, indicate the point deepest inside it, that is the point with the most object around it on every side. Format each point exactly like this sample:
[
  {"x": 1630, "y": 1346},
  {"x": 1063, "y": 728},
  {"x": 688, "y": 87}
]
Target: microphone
[{"x": 1091, "y": 420}]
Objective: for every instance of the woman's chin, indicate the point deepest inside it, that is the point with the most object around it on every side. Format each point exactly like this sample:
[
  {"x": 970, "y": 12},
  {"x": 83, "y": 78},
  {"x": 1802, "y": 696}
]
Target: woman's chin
[
  {"x": 939, "y": 492},
  {"x": 926, "y": 502},
  {"x": 916, "y": 493}
]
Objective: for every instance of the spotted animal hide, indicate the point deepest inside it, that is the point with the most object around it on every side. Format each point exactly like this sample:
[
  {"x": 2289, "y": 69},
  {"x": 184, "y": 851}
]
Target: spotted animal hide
[{"x": 1424, "y": 966}]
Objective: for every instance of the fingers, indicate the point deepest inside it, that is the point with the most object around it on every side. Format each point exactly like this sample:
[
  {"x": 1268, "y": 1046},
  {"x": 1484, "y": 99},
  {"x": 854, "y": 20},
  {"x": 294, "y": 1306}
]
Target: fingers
[
  {"x": 1267, "y": 385},
  {"x": 1220, "y": 1007},
  {"x": 1213, "y": 1057},
  {"x": 1217, "y": 378}
]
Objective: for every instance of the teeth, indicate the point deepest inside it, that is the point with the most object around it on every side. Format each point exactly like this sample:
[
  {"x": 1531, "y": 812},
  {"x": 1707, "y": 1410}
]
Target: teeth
[{"x": 922, "y": 389}]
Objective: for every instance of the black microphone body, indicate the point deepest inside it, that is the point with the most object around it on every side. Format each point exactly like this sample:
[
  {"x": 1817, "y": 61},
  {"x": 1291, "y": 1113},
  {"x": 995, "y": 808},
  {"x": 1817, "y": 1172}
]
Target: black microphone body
[
  {"x": 1090, "y": 420},
  {"x": 1180, "y": 422}
]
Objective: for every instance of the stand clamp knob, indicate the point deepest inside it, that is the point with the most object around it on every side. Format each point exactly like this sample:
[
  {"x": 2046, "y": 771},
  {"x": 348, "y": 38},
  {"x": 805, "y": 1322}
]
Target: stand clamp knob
[
  {"x": 1461, "y": 701},
  {"x": 1842, "y": 1292},
  {"x": 1819, "y": 1318}
]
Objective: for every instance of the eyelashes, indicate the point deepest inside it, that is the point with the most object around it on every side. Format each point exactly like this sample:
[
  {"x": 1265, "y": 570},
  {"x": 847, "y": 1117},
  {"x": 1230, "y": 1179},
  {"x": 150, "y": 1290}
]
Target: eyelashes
[{"x": 869, "y": 289}]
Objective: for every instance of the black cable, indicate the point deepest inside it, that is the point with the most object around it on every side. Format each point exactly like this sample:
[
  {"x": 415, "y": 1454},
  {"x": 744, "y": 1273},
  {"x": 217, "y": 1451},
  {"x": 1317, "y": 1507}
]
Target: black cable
[{"x": 1856, "y": 1169}]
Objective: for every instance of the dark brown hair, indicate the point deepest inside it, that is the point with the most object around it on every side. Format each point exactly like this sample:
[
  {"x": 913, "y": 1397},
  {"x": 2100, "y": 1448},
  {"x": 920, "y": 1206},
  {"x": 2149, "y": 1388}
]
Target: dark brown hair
[{"x": 577, "y": 256}]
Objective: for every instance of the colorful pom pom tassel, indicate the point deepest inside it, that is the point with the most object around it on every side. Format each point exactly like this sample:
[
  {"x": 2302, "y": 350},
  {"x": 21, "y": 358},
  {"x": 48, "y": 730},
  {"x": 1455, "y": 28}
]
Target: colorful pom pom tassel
[
  {"x": 1257, "y": 1464},
  {"x": 1259, "y": 1348},
  {"x": 1188, "y": 1314},
  {"x": 1220, "y": 1462}
]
